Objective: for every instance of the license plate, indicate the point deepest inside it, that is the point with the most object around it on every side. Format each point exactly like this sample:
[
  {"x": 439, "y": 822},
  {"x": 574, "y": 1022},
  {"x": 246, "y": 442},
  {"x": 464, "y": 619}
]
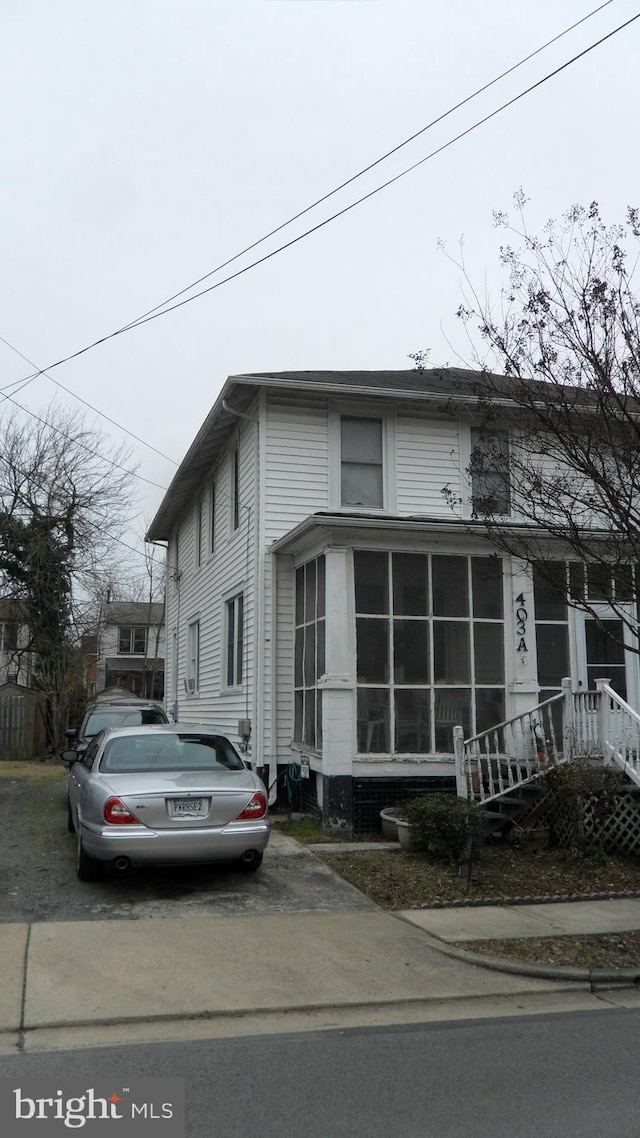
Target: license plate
[{"x": 189, "y": 807}]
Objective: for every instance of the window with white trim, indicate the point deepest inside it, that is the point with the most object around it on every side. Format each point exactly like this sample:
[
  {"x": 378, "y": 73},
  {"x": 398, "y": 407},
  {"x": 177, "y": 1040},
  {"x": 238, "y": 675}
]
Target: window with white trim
[
  {"x": 429, "y": 649},
  {"x": 198, "y": 536},
  {"x": 212, "y": 517},
  {"x": 361, "y": 462},
  {"x": 489, "y": 473},
  {"x": 235, "y": 489},
  {"x": 192, "y": 679},
  {"x": 235, "y": 640},
  {"x": 309, "y": 652},
  {"x": 132, "y": 641}
]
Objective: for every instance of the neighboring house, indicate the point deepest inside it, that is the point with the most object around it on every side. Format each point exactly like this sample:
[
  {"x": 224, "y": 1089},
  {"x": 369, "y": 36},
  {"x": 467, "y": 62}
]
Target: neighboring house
[
  {"x": 16, "y": 658},
  {"x": 131, "y": 648},
  {"x": 322, "y": 586}
]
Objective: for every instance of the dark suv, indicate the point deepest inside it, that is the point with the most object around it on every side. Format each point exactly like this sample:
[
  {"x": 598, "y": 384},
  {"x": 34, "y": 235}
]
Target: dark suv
[{"x": 122, "y": 712}]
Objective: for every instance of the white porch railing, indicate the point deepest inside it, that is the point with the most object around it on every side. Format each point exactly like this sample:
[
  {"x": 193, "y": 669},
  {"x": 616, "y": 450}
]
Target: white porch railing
[
  {"x": 619, "y": 730},
  {"x": 587, "y": 724},
  {"x": 509, "y": 754}
]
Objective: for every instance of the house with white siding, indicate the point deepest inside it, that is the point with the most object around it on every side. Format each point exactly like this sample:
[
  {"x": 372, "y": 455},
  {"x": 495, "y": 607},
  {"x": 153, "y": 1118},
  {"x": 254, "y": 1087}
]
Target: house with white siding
[
  {"x": 130, "y": 648},
  {"x": 328, "y": 601}
]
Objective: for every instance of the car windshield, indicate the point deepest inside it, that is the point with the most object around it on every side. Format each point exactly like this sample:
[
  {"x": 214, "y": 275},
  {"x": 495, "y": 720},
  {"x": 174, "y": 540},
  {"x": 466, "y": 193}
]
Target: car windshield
[
  {"x": 121, "y": 717},
  {"x": 170, "y": 753}
]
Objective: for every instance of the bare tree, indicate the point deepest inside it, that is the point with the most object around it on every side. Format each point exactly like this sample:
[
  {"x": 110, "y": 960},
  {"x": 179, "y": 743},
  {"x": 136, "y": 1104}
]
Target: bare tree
[
  {"x": 559, "y": 377},
  {"x": 65, "y": 496}
]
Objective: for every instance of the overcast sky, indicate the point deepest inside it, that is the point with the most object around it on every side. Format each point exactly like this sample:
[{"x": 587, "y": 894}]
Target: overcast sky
[{"x": 144, "y": 142}]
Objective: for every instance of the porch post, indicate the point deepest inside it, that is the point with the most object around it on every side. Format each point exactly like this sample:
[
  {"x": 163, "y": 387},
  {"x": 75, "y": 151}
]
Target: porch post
[
  {"x": 338, "y": 697},
  {"x": 568, "y": 725},
  {"x": 521, "y": 671},
  {"x": 462, "y": 789},
  {"x": 603, "y": 716}
]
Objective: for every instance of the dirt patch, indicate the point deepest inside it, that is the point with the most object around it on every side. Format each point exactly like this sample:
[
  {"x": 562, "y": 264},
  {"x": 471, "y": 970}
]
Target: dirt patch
[
  {"x": 610, "y": 950},
  {"x": 397, "y": 880}
]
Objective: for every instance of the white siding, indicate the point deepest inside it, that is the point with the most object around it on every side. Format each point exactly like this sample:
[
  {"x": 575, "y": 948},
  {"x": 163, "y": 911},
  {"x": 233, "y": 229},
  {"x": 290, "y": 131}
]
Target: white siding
[
  {"x": 296, "y": 462},
  {"x": 296, "y": 465},
  {"x": 204, "y": 590},
  {"x": 428, "y": 458}
]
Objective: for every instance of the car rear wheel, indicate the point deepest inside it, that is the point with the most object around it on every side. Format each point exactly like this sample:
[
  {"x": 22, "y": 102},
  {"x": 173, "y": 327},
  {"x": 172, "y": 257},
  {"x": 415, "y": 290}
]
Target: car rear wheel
[
  {"x": 70, "y": 826},
  {"x": 250, "y": 861},
  {"x": 88, "y": 868}
]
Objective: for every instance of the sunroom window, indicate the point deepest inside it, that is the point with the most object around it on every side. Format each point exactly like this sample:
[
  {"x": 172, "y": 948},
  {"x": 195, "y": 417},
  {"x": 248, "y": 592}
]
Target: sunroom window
[{"x": 429, "y": 649}]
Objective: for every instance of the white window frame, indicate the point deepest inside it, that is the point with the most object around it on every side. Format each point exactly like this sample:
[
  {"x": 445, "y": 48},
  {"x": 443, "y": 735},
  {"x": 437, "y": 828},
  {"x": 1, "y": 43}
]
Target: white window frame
[
  {"x": 132, "y": 629},
  {"x": 387, "y": 417},
  {"x": 212, "y": 516},
  {"x": 198, "y": 528},
  {"x": 234, "y": 502},
  {"x": 192, "y": 665},
  {"x": 466, "y": 480},
  {"x": 231, "y": 606}
]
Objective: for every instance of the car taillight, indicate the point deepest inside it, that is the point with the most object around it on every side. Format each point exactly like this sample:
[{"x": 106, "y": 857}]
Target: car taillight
[
  {"x": 116, "y": 811},
  {"x": 256, "y": 807}
]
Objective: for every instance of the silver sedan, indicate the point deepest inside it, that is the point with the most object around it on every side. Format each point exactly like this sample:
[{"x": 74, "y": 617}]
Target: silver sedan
[{"x": 164, "y": 795}]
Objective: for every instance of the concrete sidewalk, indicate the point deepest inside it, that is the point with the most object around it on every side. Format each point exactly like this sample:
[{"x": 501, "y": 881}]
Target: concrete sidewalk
[
  {"x": 135, "y": 976},
  {"x": 64, "y": 974},
  {"x": 503, "y": 922}
]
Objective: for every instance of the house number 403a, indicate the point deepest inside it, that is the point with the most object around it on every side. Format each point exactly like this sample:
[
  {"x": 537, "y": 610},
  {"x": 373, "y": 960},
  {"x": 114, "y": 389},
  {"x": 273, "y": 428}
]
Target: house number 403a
[{"x": 522, "y": 617}]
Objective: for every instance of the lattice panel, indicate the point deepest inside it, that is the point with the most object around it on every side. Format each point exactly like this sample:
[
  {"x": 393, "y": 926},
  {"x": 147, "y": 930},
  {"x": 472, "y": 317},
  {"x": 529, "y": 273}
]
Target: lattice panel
[{"x": 616, "y": 827}]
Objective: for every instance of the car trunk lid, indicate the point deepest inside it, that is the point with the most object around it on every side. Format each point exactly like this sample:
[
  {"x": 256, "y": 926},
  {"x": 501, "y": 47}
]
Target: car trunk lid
[{"x": 186, "y": 799}]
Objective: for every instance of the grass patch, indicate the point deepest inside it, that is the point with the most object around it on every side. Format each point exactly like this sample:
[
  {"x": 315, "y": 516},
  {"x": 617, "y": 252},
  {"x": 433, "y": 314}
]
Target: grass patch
[
  {"x": 305, "y": 830},
  {"x": 38, "y": 770}
]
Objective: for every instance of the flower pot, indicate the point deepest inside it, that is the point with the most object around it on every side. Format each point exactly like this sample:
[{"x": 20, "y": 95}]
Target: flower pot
[
  {"x": 404, "y": 835},
  {"x": 389, "y": 819}
]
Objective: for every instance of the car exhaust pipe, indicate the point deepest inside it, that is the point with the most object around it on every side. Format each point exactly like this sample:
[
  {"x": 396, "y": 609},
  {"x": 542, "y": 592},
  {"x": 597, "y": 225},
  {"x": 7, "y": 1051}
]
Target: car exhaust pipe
[
  {"x": 249, "y": 856},
  {"x": 121, "y": 863}
]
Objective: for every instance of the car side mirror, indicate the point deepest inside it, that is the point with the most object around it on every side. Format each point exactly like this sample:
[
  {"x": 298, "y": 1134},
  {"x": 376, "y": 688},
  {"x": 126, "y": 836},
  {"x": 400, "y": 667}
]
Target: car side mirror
[
  {"x": 71, "y": 732},
  {"x": 69, "y": 758}
]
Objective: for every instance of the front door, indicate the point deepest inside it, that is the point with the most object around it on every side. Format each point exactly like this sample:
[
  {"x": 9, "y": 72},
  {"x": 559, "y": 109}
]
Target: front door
[{"x": 601, "y": 653}]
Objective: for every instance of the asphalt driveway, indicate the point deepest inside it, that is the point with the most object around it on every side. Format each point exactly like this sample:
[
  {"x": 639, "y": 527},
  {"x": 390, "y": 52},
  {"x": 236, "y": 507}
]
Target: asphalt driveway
[{"x": 38, "y": 880}]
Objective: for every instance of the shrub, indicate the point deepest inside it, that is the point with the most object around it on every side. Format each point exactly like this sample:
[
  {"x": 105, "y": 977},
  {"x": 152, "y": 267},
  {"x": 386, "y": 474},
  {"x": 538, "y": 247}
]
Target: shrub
[
  {"x": 581, "y": 798},
  {"x": 441, "y": 824}
]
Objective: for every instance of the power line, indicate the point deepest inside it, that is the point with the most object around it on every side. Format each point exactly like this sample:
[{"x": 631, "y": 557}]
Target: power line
[
  {"x": 102, "y": 457},
  {"x": 20, "y": 384},
  {"x": 371, "y": 193},
  {"x": 162, "y": 310},
  {"x": 371, "y": 166}
]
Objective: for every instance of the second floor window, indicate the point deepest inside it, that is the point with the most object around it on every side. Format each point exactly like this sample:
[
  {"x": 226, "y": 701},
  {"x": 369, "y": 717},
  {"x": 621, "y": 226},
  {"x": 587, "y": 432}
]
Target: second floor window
[
  {"x": 199, "y": 531},
  {"x": 489, "y": 473},
  {"x": 361, "y": 462},
  {"x": 235, "y": 489},
  {"x": 8, "y": 636},
  {"x": 235, "y": 637},
  {"x": 132, "y": 641}
]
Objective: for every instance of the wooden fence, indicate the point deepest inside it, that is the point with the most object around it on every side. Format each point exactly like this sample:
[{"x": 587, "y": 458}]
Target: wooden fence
[{"x": 22, "y": 731}]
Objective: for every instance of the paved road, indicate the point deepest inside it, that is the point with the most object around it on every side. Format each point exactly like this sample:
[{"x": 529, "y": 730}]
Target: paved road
[
  {"x": 557, "y": 1076},
  {"x": 38, "y": 880}
]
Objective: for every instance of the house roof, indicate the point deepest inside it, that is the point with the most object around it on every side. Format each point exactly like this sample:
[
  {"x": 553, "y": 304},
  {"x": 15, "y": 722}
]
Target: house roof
[
  {"x": 334, "y": 526},
  {"x": 125, "y": 613},
  {"x": 438, "y": 385}
]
